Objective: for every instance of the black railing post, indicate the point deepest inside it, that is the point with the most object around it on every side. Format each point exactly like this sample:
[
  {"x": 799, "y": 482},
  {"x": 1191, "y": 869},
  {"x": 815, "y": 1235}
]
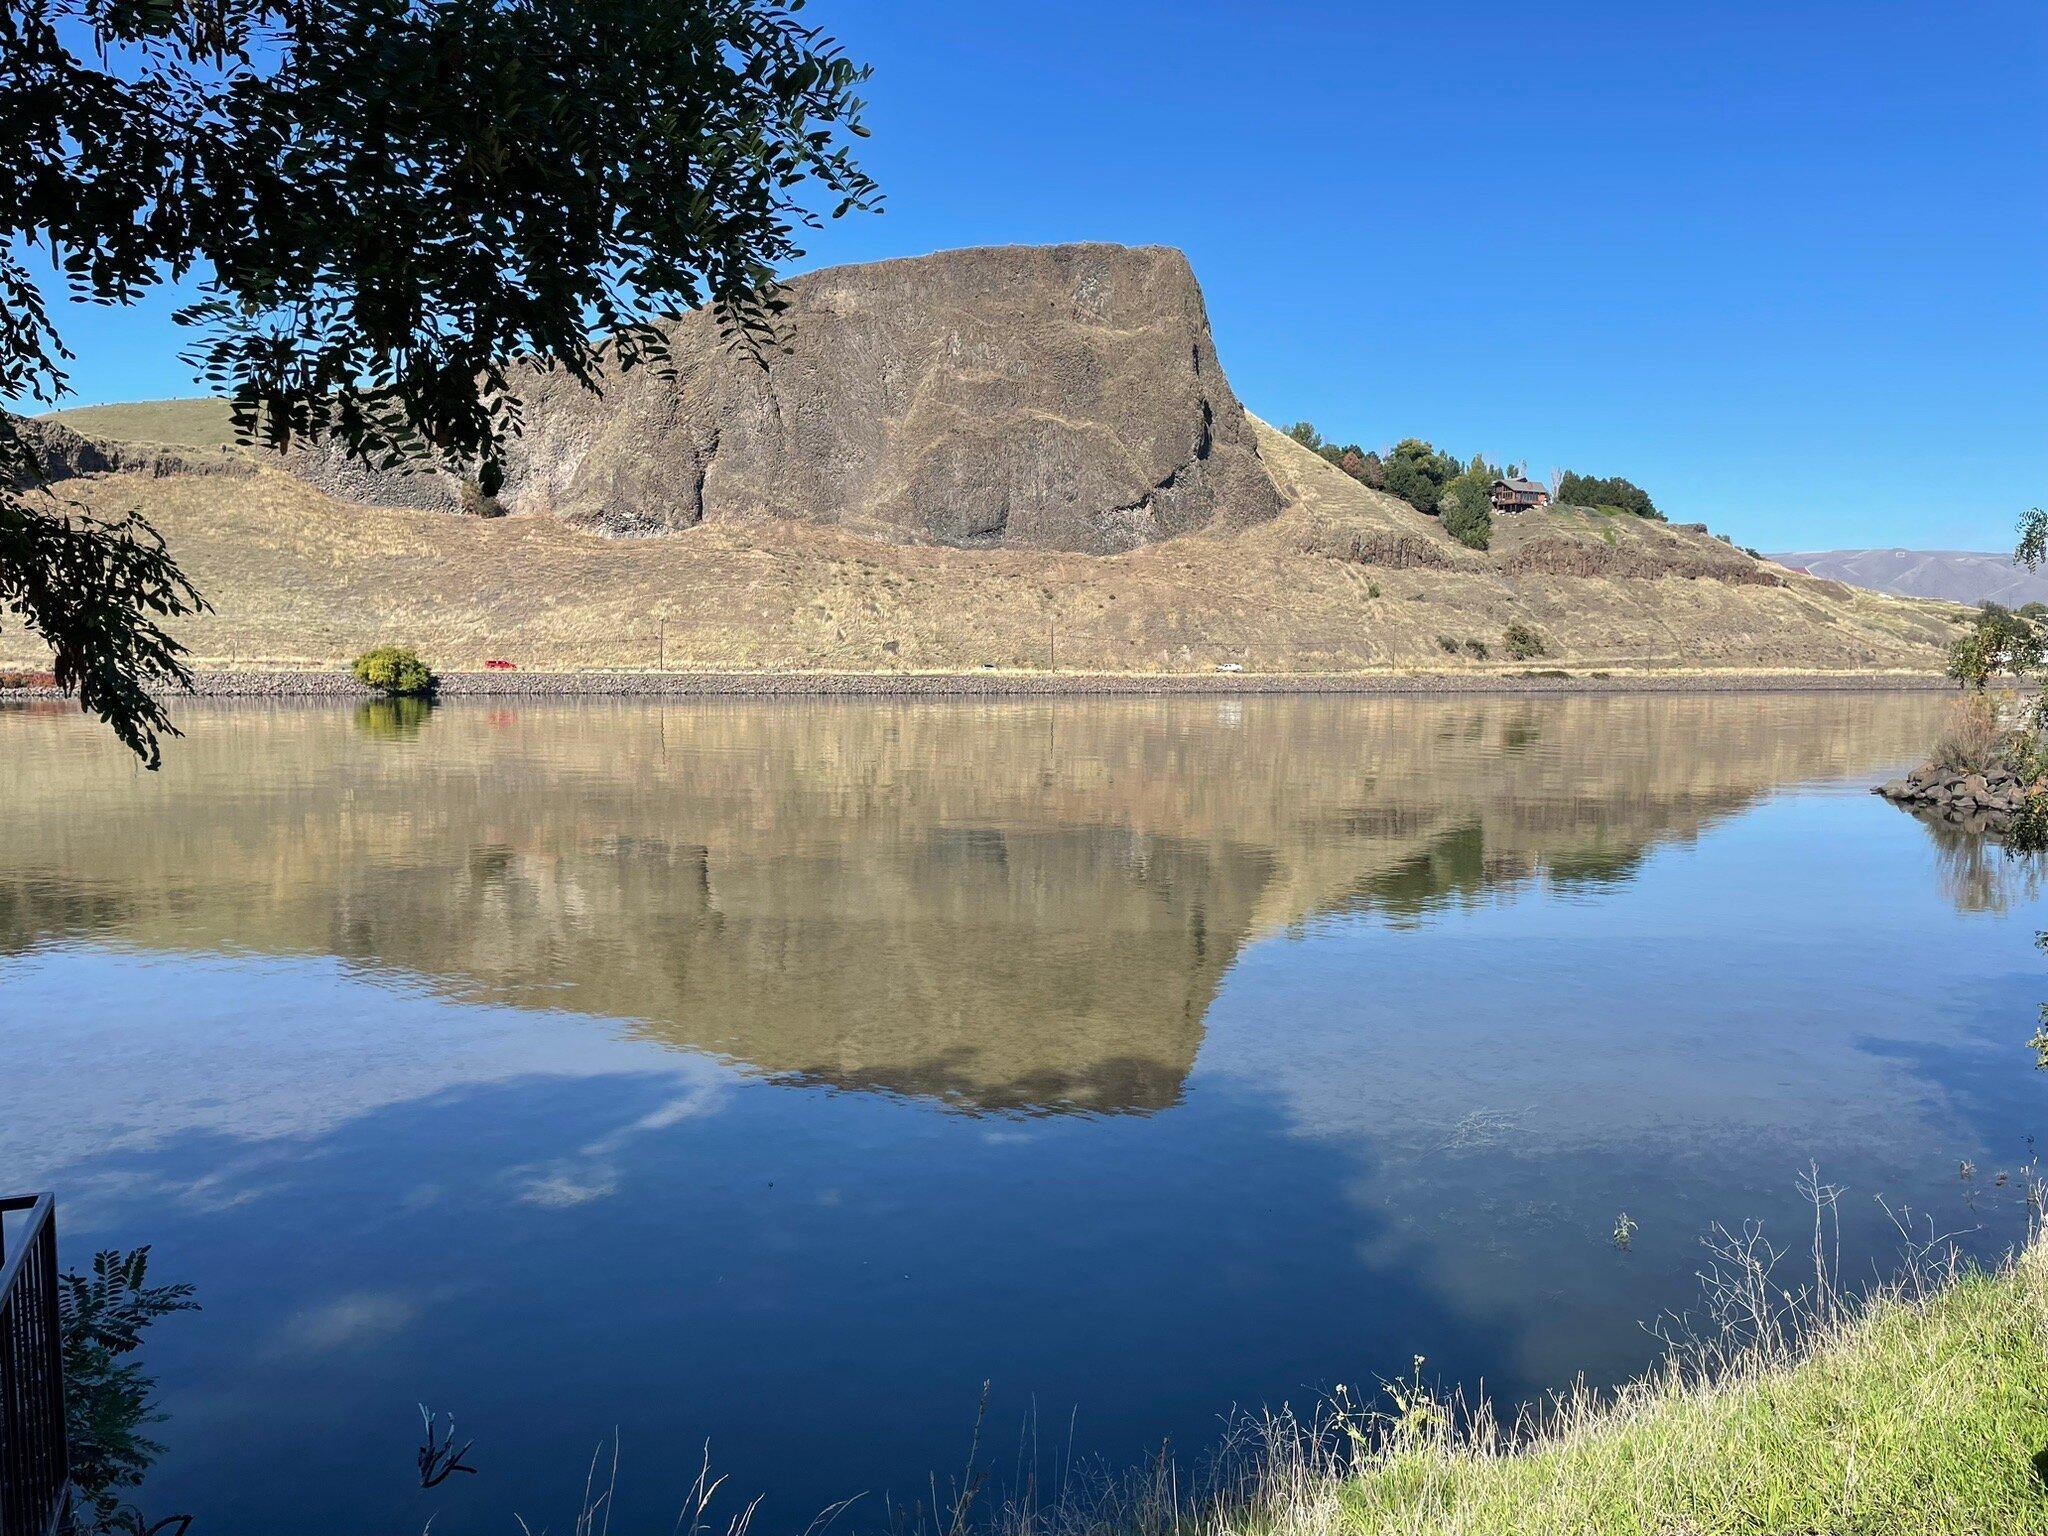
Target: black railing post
[{"x": 35, "y": 1472}]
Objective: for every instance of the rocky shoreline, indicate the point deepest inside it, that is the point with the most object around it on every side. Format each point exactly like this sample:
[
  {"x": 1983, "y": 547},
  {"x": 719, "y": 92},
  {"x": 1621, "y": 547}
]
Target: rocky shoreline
[
  {"x": 340, "y": 685},
  {"x": 1970, "y": 802}
]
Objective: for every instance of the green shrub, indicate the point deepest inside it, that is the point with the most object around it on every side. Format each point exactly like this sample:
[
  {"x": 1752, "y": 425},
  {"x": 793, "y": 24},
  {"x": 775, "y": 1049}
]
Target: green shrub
[
  {"x": 1447, "y": 644},
  {"x": 1468, "y": 510},
  {"x": 395, "y": 671},
  {"x": 1478, "y": 649},
  {"x": 1523, "y": 643}
]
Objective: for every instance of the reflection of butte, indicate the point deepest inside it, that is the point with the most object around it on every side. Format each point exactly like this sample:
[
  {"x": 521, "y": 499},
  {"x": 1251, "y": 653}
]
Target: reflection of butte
[{"x": 1009, "y": 906}]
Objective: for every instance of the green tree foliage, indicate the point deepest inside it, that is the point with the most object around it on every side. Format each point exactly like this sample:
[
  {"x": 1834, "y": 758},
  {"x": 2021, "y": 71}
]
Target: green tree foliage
[
  {"x": 1360, "y": 465},
  {"x": 1576, "y": 490},
  {"x": 2028, "y": 831},
  {"x": 2001, "y": 641},
  {"x": 1467, "y": 504},
  {"x": 384, "y": 203},
  {"x": 394, "y": 671},
  {"x": 1417, "y": 473},
  {"x": 2033, "y": 540},
  {"x": 1523, "y": 643},
  {"x": 107, "y": 1396},
  {"x": 1363, "y": 467},
  {"x": 94, "y": 589}
]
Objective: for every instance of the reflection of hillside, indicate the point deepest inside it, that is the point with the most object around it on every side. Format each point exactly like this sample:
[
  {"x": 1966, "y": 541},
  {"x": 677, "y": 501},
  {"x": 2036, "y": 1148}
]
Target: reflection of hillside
[{"x": 1025, "y": 904}]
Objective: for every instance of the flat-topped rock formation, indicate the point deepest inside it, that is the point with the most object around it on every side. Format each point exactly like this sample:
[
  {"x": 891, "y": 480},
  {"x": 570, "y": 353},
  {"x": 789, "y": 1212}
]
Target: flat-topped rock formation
[
  {"x": 1059, "y": 397},
  {"x": 1012, "y": 460}
]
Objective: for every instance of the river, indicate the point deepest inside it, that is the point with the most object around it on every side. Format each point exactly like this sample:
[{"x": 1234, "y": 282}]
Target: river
[{"x": 773, "y": 1074}]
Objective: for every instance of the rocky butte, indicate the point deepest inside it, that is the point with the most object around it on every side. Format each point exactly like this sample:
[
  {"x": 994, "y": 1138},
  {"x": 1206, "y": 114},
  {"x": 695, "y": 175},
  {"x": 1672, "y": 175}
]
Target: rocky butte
[
  {"x": 1010, "y": 460},
  {"x": 1057, "y": 398}
]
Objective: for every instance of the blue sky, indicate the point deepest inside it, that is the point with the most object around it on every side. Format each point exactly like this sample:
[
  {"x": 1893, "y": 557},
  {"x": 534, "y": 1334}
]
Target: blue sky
[{"x": 1786, "y": 266}]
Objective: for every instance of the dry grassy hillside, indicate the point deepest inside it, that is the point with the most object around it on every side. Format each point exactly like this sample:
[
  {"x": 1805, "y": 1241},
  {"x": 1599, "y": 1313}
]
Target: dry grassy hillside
[
  {"x": 195, "y": 423},
  {"x": 1344, "y": 580}
]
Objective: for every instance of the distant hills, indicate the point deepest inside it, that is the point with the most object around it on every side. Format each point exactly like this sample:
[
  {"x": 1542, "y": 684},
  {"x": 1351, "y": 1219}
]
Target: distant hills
[{"x": 1958, "y": 575}]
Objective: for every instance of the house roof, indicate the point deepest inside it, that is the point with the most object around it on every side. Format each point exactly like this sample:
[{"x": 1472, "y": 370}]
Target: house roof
[{"x": 1525, "y": 486}]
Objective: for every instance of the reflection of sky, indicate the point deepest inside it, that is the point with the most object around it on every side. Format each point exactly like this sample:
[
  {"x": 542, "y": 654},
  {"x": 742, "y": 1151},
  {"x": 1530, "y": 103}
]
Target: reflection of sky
[
  {"x": 465, "y": 1217},
  {"x": 1684, "y": 1047},
  {"x": 1399, "y": 1137},
  {"x": 245, "y": 1049}
]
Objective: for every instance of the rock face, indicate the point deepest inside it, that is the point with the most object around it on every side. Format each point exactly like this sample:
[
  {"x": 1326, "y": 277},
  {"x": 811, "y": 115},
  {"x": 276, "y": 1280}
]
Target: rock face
[
  {"x": 62, "y": 454},
  {"x": 1064, "y": 397}
]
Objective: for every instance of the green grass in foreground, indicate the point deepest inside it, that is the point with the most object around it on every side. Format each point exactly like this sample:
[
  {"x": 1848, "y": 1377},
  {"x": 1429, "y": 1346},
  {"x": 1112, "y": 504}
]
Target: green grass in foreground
[
  {"x": 1797, "y": 1411},
  {"x": 1920, "y": 1413}
]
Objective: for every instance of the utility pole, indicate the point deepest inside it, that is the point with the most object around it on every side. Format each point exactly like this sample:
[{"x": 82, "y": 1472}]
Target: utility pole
[{"x": 661, "y": 644}]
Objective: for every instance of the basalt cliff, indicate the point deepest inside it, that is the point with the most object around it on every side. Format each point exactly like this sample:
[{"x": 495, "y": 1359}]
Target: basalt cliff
[
  {"x": 1063, "y": 397},
  {"x": 1022, "y": 458}
]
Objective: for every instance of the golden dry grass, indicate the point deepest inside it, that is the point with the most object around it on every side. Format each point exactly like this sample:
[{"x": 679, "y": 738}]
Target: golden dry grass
[{"x": 1345, "y": 581}]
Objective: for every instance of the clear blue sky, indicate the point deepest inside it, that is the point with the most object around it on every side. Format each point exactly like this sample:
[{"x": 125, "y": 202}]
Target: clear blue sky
[{"x": 1786, "y": 266}]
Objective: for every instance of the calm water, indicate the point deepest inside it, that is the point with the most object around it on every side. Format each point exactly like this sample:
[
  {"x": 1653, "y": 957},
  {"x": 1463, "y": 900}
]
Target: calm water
[{"x": 776, "y": 1074}]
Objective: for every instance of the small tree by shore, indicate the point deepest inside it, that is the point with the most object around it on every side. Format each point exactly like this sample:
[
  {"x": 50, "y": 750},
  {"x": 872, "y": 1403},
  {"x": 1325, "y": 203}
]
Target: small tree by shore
[
  {"x": 395, "y": 671},
  {"x": 2001, "y": 642},
  {"x": 2007, "y": 642}
]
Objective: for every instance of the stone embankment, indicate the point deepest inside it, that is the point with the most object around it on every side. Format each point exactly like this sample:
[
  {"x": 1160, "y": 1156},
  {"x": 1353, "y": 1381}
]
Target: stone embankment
[
  {"x": 340, "y": 685},
  {"x": 1970, "y": 802}
]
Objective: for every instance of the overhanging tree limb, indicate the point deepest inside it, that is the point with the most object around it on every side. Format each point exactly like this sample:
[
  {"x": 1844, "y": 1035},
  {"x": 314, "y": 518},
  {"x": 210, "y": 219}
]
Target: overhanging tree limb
[{"x": 387, "y": 202}]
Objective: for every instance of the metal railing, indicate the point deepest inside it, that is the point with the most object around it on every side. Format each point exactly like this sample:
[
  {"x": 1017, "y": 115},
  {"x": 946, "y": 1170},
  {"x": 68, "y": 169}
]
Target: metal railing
[{"x": 35, "y": 1469}]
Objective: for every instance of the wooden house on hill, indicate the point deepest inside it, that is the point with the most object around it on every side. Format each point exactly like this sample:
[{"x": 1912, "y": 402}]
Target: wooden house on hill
[{"x": 1518, "y": 495}]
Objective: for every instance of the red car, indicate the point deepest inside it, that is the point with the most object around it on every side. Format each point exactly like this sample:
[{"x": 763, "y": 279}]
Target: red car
[{"x": 499, "y": 666}]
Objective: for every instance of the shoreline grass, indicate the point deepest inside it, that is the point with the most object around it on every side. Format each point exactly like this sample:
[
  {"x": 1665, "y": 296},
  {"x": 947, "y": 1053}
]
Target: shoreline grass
[
  {"x": 1917, "y": 1408},
  {"x": 1921, "y": 1410}
]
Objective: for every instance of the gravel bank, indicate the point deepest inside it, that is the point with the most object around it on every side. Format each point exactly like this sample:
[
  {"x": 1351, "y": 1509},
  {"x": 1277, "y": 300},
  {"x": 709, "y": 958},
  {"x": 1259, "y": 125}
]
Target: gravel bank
[{"x": 1005, "y": 684}]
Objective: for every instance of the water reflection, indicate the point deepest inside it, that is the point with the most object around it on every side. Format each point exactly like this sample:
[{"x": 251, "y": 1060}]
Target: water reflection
[
  {"x": 398, "y": 719},
  {"x": 1022, "y": 906},
  {"x": 579, "y": 1066},
  {"x": 1979, "y": 873}
]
